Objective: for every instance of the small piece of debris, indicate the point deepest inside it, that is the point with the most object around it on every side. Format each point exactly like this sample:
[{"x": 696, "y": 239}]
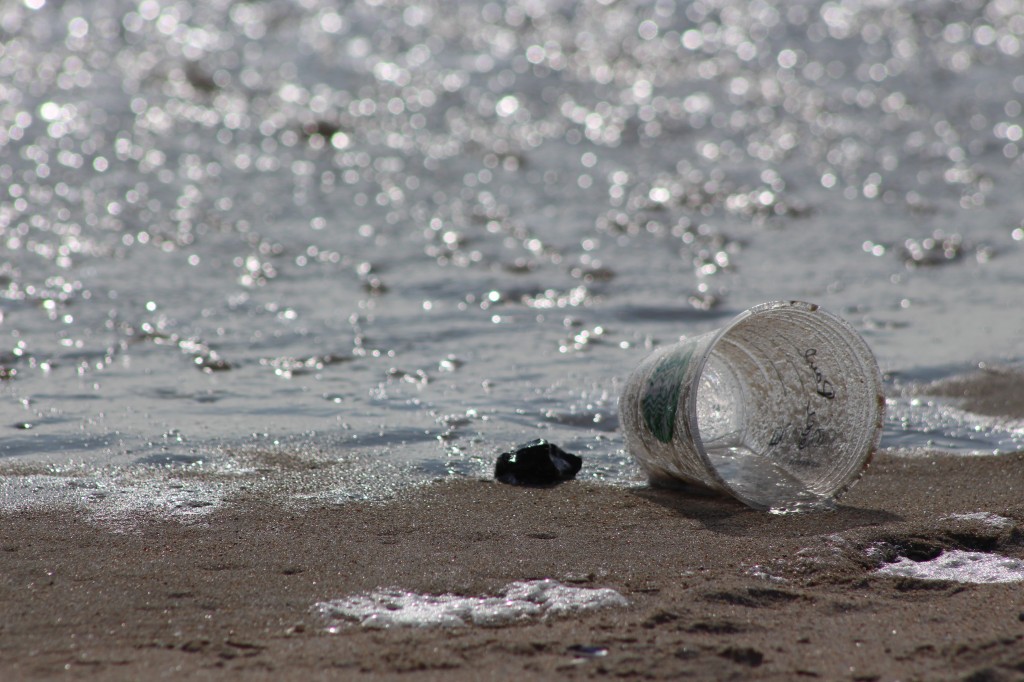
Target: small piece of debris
[{"x": 537, "y": 463}]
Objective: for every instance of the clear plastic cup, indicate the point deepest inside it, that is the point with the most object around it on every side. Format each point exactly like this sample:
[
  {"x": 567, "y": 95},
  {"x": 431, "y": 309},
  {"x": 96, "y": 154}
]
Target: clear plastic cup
[{"x": 782, "y": 408}]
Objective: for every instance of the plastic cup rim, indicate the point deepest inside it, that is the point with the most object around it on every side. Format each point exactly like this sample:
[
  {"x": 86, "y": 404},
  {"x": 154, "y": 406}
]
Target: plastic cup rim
[{"x": 691, "y": 394}]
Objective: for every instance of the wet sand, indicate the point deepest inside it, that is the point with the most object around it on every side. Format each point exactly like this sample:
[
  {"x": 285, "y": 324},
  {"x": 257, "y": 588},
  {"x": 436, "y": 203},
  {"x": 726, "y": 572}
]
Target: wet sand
[
  {"x": 717, "y": 591},
  {"x": 996, "y": 391}
]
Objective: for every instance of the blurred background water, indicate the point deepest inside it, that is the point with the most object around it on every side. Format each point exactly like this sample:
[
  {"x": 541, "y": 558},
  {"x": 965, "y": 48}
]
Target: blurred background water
[{"x": 324, "y": 243}]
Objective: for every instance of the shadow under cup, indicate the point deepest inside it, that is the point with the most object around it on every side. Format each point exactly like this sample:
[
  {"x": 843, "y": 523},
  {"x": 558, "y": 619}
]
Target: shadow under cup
[{"x": 782, "y": 408}]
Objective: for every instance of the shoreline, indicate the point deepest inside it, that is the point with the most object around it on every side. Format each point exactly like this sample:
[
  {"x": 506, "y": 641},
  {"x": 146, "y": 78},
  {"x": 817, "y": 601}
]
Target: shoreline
[{"x": 715, "y": 589}]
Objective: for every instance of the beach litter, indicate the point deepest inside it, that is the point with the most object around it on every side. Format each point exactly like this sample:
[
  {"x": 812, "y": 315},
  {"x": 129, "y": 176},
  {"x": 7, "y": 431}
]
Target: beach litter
[
  {"x": 537, "y": 463},
  {"x": 782, "y": 408},
  {"x": 518, "y": 601}
]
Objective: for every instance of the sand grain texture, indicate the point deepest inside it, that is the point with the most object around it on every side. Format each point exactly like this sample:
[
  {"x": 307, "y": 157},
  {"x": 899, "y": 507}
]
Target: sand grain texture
[{"x": 717, "y": 591}]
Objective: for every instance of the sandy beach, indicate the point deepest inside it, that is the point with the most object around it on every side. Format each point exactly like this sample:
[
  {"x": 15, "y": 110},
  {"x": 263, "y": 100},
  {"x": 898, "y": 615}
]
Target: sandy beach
[
  {"x": 716, "y": 591},
  {"x": 280, "y": 280}
]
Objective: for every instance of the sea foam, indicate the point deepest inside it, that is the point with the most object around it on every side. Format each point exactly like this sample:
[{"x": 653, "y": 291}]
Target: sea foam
[
  {"x": 518, "y": 601},
  {"x": 959, "y": 566}
]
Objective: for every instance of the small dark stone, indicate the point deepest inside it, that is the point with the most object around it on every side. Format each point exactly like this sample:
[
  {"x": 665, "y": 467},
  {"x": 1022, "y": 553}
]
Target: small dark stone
[
  {"x": 195, "y": 645},
  {"x": 587, "y": 651},
  {"x": 743, "y": 655},
  {"x": 536, "y": 463}
]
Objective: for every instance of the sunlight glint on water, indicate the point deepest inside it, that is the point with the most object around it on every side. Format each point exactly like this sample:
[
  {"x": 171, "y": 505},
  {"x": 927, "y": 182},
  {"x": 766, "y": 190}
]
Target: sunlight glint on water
[{"x": 419, "y": 233}]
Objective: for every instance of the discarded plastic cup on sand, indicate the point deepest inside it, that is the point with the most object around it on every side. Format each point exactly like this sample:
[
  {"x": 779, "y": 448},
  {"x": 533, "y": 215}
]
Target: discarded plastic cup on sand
[{"x": 782, "y": 408}]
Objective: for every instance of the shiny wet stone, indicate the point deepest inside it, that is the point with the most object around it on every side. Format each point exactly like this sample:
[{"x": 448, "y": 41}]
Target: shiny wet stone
[{"x": 537, "y": 463}]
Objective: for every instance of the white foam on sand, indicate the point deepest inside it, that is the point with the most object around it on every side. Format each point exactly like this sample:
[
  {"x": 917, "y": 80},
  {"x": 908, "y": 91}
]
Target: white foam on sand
[
  {"x": 122, "y": 498},
  {"x": 985, "y": 518},
  {"x": 959, "y": 566},
  {"x": 518, "y": 601}
]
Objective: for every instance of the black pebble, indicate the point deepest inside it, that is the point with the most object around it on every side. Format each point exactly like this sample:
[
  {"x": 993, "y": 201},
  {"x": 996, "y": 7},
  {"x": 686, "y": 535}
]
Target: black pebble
[{"x": 536, "y": 463}]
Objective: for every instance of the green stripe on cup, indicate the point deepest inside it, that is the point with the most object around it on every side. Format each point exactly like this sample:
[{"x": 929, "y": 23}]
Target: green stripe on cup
[{"x": 661, "y": 394}]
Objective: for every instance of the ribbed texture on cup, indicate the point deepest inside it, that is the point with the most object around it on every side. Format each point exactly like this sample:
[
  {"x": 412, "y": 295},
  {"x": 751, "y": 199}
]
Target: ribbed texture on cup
[
  {"x": 679, "y": 457},
  {"x": 814, "y": 393},
  {"x": 809, "y": 399}
]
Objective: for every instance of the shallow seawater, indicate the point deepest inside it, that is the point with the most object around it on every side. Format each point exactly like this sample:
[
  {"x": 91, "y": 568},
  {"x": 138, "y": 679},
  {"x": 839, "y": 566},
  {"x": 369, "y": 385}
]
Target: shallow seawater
[{"x": 394, "y": 238}]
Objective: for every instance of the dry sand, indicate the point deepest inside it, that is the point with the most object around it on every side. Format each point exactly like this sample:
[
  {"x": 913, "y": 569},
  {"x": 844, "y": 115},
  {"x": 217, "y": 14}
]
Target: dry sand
[{"x": 717, "y": 591}]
